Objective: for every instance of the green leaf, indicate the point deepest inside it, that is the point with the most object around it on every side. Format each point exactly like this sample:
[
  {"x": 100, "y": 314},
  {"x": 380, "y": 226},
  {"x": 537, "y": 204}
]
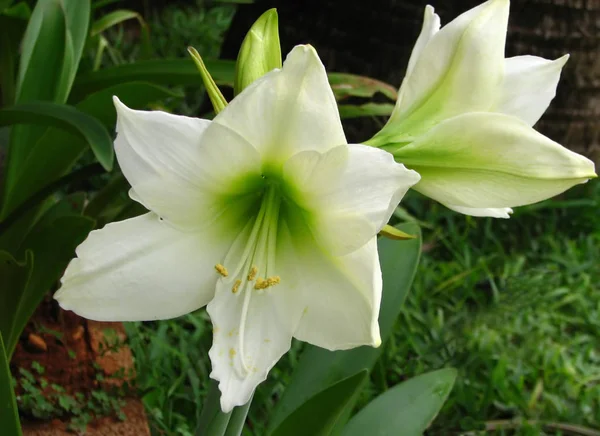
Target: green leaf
[
  {"x": 51, "y": 50},
  {"x": 42, "y": 53},
  {"x": 365, "y": 110},
  {"x": 350, "y": 85},
  {"x": 318, "y": 368},
  {"x": 113, "y": 18},
  {"x": 406, "y": 409},
  {"x": 9, "y": 417},
  {"x": 65, "y": 117},
  {"x": 52, "y": 244},
  {"x": 260, "y": 51},
  {"x": 216, "y": 98},
  {"x": 320, "y": 414},
  {"x": 162, "y": 72}
]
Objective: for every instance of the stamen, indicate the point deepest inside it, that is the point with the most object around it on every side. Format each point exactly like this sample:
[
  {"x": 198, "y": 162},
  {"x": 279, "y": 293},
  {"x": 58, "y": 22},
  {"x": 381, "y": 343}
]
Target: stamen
[
  {"x": 221, "y": 270},
  {"x": 253, "y": 273},
  {"x": 272, "y": 281},
  {"x": 236, "y": 286},
  {"x": 264, "y": 284}
]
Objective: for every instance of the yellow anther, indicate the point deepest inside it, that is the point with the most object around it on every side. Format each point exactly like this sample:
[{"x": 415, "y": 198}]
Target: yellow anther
[
  {"x": 221, "y": 270},
  {"x": 232, "y": 353},
  {"x": 264, "y": 284},
  {"x": 236, "y": 286},
  {"x": 260, "y": 283},
  {"x": 252, "y": 273},
  {"x": 272, "y": 281}
]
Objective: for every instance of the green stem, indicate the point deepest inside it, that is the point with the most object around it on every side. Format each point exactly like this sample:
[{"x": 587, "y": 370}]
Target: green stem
[
  {"x": 212, "y": 421},
  {"x": 238, "y": 419}
]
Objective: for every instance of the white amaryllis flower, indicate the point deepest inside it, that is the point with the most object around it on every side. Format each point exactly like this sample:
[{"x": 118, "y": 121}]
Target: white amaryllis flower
[
  {"x": 265, "y": 214},
  {"x": 464, "y": 118}
]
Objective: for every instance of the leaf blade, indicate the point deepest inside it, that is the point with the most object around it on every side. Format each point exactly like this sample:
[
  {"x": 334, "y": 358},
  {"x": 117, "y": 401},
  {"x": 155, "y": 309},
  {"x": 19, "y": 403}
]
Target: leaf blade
[
  {"x": 406, "y": 409},
  {"x": 321, "y": 413}
]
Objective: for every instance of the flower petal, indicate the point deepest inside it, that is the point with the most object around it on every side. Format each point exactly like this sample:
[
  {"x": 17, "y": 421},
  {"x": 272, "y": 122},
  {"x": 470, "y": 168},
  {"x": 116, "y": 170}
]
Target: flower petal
[
  {"x": 529, "y": 86},
  {"x": 249, "y": 337},
  {"x": 431, "y": 25},
  {"x": 142, "y": 269},
  {"x": 502, "y": 212},
  {"x": 490, "y": 160},
  {"x": 348, "y": 194},
  {"x": 339, "y": 295},
  {"x": 287, "y": 110},
  {"x": 181, "y": 168},
  {"x": 459, "y": 70}
]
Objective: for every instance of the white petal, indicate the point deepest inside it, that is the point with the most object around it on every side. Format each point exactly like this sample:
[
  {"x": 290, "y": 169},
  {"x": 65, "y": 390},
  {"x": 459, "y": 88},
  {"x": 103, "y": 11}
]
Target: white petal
[
  {"x": 348, "y": 194},
  {"x": 243, "y": 355},
  {"x": 288, "y": 110},
  {"x": 142, "y": 269},
  {"x": 339, "y": 295},
  {"x": 182, "y": 168},
  {"x": 459, "y": 70},
  {"x": 502, "y": 212},
  {"x": 431, "y": 25},
  {"x": 529, "y": 86},
  {"x": 491, "y": 160}
]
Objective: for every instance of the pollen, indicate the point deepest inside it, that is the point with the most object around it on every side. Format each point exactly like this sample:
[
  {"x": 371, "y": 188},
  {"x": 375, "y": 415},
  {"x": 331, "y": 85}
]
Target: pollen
[
  {"x": 266, "y": 283},
  {"x": 252, "y": 274},
  {"x": 236, "y": 286},
  {"x": 272, "y": 281},
  {"x": 221, "y": 270}
]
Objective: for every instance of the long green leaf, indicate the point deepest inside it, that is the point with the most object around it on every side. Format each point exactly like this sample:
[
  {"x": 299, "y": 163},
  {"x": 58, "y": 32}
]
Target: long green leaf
[
  {"x": 43, "y": 53},
  {"x": 346, "y": 85},
  {"x": 77, "y": 14},
  {"x": 321, "y": 413},
  {"x": 112, "y": 19},
  {"x": 406, "y": 409},
  {"x": 51, "y": 49},
  {"x": 64, "y": 117},
  {"x": 162, "y": 72},
  {"x": 9, "y": 418},
  {"x": 365, "y": 110},
  {"x": 319, "y": 368}
]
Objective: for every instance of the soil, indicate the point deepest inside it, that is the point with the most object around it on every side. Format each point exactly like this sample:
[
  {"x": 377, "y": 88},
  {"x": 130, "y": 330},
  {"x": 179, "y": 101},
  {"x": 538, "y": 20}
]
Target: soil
[{"x": 81, "y": 356}]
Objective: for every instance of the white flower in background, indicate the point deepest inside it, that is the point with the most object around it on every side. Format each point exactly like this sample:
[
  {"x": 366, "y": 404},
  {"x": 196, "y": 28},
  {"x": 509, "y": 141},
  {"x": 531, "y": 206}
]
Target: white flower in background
[
  {"x": 464, "y": 114},
  {"x": 265, "y": 214}
]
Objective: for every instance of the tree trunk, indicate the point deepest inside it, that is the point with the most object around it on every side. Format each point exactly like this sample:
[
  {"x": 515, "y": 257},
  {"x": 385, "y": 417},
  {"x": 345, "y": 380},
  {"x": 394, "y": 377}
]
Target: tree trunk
[{"x": 375, "y": 38}]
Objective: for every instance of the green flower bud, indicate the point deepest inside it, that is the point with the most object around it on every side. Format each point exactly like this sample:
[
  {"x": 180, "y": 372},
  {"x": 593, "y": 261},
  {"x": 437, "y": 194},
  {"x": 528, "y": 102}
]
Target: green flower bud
[{"x": 260, "y": 51}]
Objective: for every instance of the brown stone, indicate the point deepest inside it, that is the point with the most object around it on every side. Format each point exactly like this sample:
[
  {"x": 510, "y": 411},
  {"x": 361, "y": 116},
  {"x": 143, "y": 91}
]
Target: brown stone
[{"x": 36, "y": 343}]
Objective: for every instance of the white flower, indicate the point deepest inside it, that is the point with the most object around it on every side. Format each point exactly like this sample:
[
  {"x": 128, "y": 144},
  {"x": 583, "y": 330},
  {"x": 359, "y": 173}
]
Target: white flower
[
  {"x": 464, "y": 114},
  {"x": 265, "y": 214}
]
